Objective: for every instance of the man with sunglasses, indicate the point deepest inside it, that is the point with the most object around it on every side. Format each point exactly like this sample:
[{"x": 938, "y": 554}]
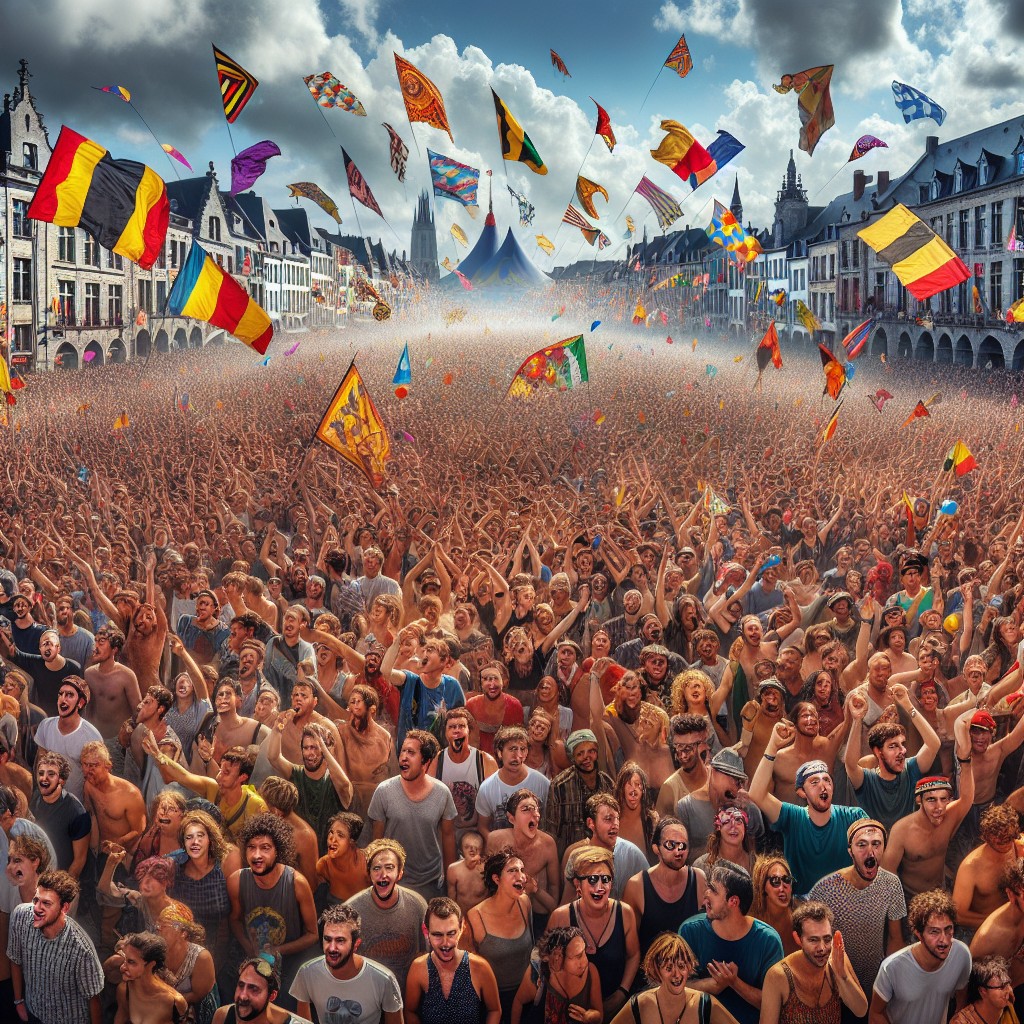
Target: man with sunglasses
[{"x": 688, "y": 740}]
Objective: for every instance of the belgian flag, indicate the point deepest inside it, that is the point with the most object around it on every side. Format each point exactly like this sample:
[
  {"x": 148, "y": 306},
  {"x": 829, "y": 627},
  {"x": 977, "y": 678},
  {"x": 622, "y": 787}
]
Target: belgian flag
[
  {"x": 515, "y": 143},
  {"x": 121, "y": 203}
]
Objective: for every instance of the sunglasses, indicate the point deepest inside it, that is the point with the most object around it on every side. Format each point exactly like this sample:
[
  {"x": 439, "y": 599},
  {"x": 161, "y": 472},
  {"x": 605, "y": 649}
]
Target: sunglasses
[
  {"x": 263, "y": 967},
  {"x": 776, "y": 880},
  {"x": 674, "y": 844},
  {"x": 594, "y": 879}
]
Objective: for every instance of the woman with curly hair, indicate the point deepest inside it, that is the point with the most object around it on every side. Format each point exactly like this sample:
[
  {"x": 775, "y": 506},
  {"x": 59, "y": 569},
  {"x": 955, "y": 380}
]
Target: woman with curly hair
[
  {"x": 773, "y": 897},
  {"x": 693, "y": 693},
  {"x": 564, "y": 987},
  {"x": 145, "y": 992},
  {"x": 637, "y": 816}
]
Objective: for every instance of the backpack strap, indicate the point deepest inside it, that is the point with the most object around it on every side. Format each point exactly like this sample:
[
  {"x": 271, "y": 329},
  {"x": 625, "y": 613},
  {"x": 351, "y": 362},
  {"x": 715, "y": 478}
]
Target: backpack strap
[
  {"x": 241, "y": 810},
  {"x": 704, "y": 1008},
  {"x": 635, "y": 1007}
]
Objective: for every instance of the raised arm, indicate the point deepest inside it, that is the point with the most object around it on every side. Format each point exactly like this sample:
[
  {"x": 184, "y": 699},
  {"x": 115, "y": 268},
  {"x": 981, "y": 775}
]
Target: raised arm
[
  {"x": 930, "y": 740},
  {"x": 858, "y": 705},
  {"x": 567, "y": 620},
  {"x": 769, "y": 804}
]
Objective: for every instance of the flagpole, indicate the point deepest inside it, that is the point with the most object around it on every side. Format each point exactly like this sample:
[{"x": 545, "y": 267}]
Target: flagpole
[{"x": 653, "y": 84}]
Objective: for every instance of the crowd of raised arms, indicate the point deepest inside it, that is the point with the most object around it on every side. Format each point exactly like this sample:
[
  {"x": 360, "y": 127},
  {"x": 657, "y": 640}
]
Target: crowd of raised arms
[{"x": 632, "y": 704}]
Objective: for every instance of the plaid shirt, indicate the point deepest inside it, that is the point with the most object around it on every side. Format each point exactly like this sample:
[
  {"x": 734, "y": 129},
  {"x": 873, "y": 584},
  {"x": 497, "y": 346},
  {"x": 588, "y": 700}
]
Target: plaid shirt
[{"x": 565, "y": 814}]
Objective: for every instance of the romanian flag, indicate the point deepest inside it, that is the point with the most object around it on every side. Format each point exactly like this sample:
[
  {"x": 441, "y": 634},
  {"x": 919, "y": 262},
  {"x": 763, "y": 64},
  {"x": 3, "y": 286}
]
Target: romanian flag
[
  {"x": 121, "y": 203},
  {"x": 855, "y": 341},
  {"x": 204, "y": 292},
  {"x": 680, "y": 151},
  {"x": 604, "y": 126},
  {"x": 960, "y": 460},
  {"x": 236, "y": 84},
  {"x": 921, "y": 260},
  {"x": 515, "y": 143},
  {"x": 721, "y": 151},
  {"x": 919, "y": 411},
  {"x": 830, "y": 427}
]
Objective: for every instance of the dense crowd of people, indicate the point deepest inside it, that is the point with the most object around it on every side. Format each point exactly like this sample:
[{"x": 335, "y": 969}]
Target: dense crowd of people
[{"x": 635, "y": 703}]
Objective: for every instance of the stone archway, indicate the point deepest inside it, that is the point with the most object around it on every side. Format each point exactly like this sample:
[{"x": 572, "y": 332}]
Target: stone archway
[
  {"x": 180, "y": 338},
  {"x": 66, "y": 357},
  {"x": 143, "y": 343},
  {"x": 944, "y": 353},
  {"x": 964, "y": 352},
  {"x": 98, "y": 356},
  {"x": 163, "y": 343},
  {"x": 905, "y": 347},
  {"x": 1018, "y": 357},
  {"x": 195, "y": 338},
  {"x": 925, "y": 348},
  {"x": 117, "y": 353},
  {"x": 991, "y": 351},
  {"x": 880, "y": 344}
]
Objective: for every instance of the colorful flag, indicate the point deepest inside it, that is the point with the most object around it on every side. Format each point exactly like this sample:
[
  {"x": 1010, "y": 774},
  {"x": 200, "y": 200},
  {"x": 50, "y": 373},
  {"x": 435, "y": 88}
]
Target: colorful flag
[
  {"x": 403, "y": 372},
  {"x": 329, "y": 92},
  {"x": 459, "y": 235},
  {"x": 726, "y": 230},
  {"x": 768, "y": 350},
  {"x": 203, "y": 291},
  {"x": 807, "y": 317},
  {"x": 778, "y": 296},
  {"x": 585, "y": 190},
  {"x": 1015, "y": 314},
  {"x": 814, "y": 103},
  {"x": 121, "y": 203},
  {"x": 864, "y": 145},
  {"x": 959, "y": 460},
  {"x": 919, "y": 410},
  {"x": 830, "y": 426},
  {"x": 1012, "y": 242},
  {"x": 453, "y": 180},
  {"x": 639, "y": 313},
  {"x": 6, "y": 384},
  {"x": 122, "y": 422},
  {"x": 835, "y": 372},
  {"x": 630, "y": 228},
  {"x": 526, "y": 209},
  {"x": 354, "y": 429},
  {"x": 545, "y": 243},
  {"x": 515, "y": 143},
  {"x": 115, "y": 90},
  {"x": 177, "y": 154},
  {"x": 247, "y": 167},
  {"x": 236, "y": 85},
  {"x": 667, "y": 209},
  {"x": 854, "y": 342},
  {"x": 604, "y": 126},
  {"x": 680, "y": 151},
  {"x": 574, "y": 217},
  {"x": 679, "y": 60},
  {"x": 308, "y": 190},
  {"x": 921, "y": 260},
  {"x": 358, "y": 189},
  {"x": 721, "y": 151},
  {"x": 559, "y": 65},
  {"x": 913, "y": 104},
  {"x": 422, "y": 98},
  {"x": 879, "y": 398},
  {"x": 463, "y": 280},
  {"x": 562, "y": 366},
  {"x": 399, "y": 152},
  {"x": 976, "y": 299}
]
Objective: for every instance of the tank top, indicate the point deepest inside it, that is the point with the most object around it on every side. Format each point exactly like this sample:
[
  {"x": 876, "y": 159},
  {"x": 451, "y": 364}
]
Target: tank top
[
  {"x": 795, "y": 1011},
  {"x": 660, "y": 916},
  {"x": 270, "y": 915},
  {"x": 508, "y": 957},
  {"x": 463, "y": 1005},
  {"x": 554, "y": 1006},
  {"x": 463, "y": 780},
  {"x": 611, "y": 955}
]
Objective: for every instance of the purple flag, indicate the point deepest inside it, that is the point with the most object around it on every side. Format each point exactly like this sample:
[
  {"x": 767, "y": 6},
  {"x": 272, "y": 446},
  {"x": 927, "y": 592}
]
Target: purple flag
[
  {"x": 865, "y": 144},
  {"x": 250, "y": 164}
]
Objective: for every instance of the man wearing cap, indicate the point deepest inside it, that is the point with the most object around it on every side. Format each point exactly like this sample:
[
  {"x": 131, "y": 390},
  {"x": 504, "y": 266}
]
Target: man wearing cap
[
  {"x": 567, "y": 670},
  {"x": 564, "y": 810},
  {"x": 639, "y": 730},
  {"x": 698, "y": 809},
  {"x": 759, "y": 717},
  {"x": 68, "y": 732},
  {"x": 914, "y": 598},
  {"x": 918, "y": 843},
  {"x": 867, "y": 901},
  {"x": 814, "y": 836}
]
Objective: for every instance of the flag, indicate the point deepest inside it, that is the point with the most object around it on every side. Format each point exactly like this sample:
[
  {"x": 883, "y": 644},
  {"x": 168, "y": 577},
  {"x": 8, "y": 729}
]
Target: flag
[
  {"x": 807, "y": 317},
  {"x": 679, "y": 60},
  {"x": 545, "y": 243},
  {"x": 1016, "y": 312},
  {"x": 236, "y": 84},
  {"x": 463, "y": 280},
  {"x": 835, "y": 372},
  {"x": 203, "y": 291},
  {"x": 562, "y": 366},
  {"x": 864, "y": 145},
  {"x": 17, "y": 381},
  {"x": 309, "y": 190},
  {"x": 357, "y": 187},
  {"x": 830, "y": 426},
  {"x": 778, "y": 296},
  {"x": 515, "y": 143},
  {"x": 856, "y": 339},
  {"x": 879, "y": 398},
  {"x": 327, "y": 91},
  {"x": 526, "y": 208},
  {"x": 575, "y": 218},
  {"x": 814, "y": 103},
  {"x": 919, "y": 411},
  {"x": 768, "y": 350},
  {"x": 352, "y": 426},
  {"x": 680, "y": 151},
  {"x": 403, "y": 373},
  {"x": 604, "y": 126},
  {"x": 976, "y": 299},
  {"x": 177, "y": 154},
  {"x": 712, "y": 502},
  {"x": 121, "y": 203},
  {"x": 630, "y": 228},
  {"x": 115, "y": 90},
  {"x": 914, "y": 104},
  {"x": 721, "y": 151},
  {"x": 6, "y": 384},
  {"x": 959, "y": 460},
  {"x": 250, "y": 164},
  {"x": 921, "y": 260},
  {"x": 122, "y": 422},
  {"x": 422, "y": 98},
  {"x": 460, "y": 236},
  {"x": 585, "y": 190},
  {"x": 453, "y": 180},
  {"x": 639, "y": 313},
  {"x": 666, "y": 208},
  {"x": 726, "y": 230},
  {"x": 399, "y": 152},
  {"x": 1012, "y": 243},
  {"x": 559, "y": 65}
]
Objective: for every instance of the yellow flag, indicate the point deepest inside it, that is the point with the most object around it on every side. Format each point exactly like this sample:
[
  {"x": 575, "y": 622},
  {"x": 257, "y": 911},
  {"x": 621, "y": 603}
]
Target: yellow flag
[
  {"x": 546, "y": 244},
  {"x": 121, "y": 422},
  {"x": 354, "y": 429}
]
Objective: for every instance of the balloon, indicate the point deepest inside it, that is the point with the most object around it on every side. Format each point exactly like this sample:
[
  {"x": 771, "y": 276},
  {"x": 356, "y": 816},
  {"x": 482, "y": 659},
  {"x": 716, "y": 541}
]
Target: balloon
[
  {"x": 949, "y": 507},
  {"x": 401, "y": 391},
  {"x": 951, "y": 623},
  {"x": 596, "y": 542}
]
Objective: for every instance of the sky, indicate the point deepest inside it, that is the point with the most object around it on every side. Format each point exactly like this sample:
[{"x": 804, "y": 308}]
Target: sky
[{"x": 968, "y": 55}]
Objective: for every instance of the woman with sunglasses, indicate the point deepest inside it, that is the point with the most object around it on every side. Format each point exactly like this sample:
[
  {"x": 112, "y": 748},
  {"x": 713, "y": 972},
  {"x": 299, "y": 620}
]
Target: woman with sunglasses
[
  {"x": 731, "y": 840},
  {"x": 989, "y": 994},
  {"x": 773, "y": 898},
  {"x": 609, "y": 926}
]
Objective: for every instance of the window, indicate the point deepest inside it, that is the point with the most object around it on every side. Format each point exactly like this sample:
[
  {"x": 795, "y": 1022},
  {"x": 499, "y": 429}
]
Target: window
[
  {"x": 214, "y": 229},
  {"x": 922, "y": 193},
  {"x": 958, "y": 179},
  {"x": 66, "y": 245},
  {"x": 91, "y": 251},
  {"x": 91, "y": 317},
  {"x": 965, "y": 229},
  {"x": 30, "y": 156},
  {"x": 115, "y": 304},
  {"x": 855, "y": 246},
  {"x": 979, "y": 227},
  {"x": 1020, "y": 163},
  {"x": 996, "y": 237},
  {"x": 23, "y": 338},
  {"x": 66, "y": 290},
  {"x": 22, "y": 284},
  {"x": 20, "y": 225},
  {"x": 146, "y": 296},
  {"x": 113, "y": 260},
  {"x": 995, "y": 287},
  {"x": 879, "y": 290},
  {"x": 949, "y": 230},
  {"x": 983, "y": 170},
  {"x": 161, "y": 295}
]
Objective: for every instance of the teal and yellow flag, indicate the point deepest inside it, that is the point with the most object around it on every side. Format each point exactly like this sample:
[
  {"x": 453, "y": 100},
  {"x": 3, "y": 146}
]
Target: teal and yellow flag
[{"x": 515, "y": 143}]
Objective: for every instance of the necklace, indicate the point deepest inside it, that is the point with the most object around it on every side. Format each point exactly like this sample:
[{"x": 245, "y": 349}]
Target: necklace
[
  {"x": 595, "y": 940},
  {"x": 661, "y": 1016}
]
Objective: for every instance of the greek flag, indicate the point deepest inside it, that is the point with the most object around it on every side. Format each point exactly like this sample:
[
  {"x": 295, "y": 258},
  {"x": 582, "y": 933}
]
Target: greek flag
[{"x": 914, "y": 104}]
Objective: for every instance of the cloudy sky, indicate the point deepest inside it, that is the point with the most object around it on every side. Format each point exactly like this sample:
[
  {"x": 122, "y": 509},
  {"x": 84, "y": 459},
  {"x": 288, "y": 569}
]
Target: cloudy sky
[{"x": 966, "y": 54}]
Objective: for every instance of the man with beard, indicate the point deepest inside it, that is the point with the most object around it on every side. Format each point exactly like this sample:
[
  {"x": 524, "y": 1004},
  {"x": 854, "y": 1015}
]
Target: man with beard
[
  {"x": 25, "y": 630},
  {"x": 241, "y": 629},
  {"x": 1002, "y": 932},
  {"x": 258, "y": 985},
  {"x": 60, "y": 814},
  {"x": 788, "y": 672},
  {"x": 511, "y": 745},
  {"x": 418, "y": 812},
  {"x": 250, "y": 675},
  {"x": 48, "y": 669},
  {"x": 369, "y": 748},
  {"x": 669, "y": 892},
  {"x": 75, "y": 643},
  {"x": 639, "y": 730},
  {"x": 284, "y": 652},
  {"x": 887, "y": 792},
  {"x": 658, "y": 668},
  {"x": 566, "y": 668},
  {"x": 115, "y": 687},
  {"x": 431, "y": 993},
  {"x": 391, "y": 914},
  {"x": 867, "y": 901},
  {"x": 272, "y": 908},
  {"x": 915, "y": 985},
  {"x": 461, "y": 767},
  {"x": 807, "y": 745},
  {"x": 759, "y": 717},
  {"x": 626, "y": 626},
  {"x": 813, "y": 836},
  {"x": 798, "y": 983},
  {"x": 55, "y": 973},
  {"x": 651, "y": 632},
  {"x": 203, "y": 633},
  {"x": 369, "y": 675},
  {"x": 68, "y": 732},
  {"x": 706, "y": 646},
  {"x": 687, "y": 739},
  {"x": 304, "y": 712},
  {"x": 341, "y": 983},
  {"x": 492, "y": 708},
  {"x": 564, "y": 810}
]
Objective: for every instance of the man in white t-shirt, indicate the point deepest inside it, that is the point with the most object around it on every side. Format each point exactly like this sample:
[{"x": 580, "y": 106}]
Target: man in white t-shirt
[
  {"x": 68, "y": 732},
  {"x": 511, "y": 745}
]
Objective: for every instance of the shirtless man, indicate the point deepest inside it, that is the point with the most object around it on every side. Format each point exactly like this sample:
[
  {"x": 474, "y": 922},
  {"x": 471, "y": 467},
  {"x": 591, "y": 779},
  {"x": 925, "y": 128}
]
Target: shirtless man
[
  {"x": 917, "y": 845},
  {"x": 115, "y": 687},
  {"x": 369, "y": 747},
  {"x": 878, "y": 694},
  {"x": 808, "y": 745},
  {"x": 640, "y": 730},
  {"x": 738, "y": 679},
  {"x": 1002, "y": 932},
  {"x": 687, "y": 739},
  {"x": 977, "y": 892},
  {"x": 232, "y": 729},
  {"x": 465, "y": 877},
  {"x": 759, "y": 718},
  {"x": 304, "y": 702}
]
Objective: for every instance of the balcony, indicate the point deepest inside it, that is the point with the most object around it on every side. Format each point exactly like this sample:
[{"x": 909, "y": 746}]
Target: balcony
[{"x": 84, "y": 323}]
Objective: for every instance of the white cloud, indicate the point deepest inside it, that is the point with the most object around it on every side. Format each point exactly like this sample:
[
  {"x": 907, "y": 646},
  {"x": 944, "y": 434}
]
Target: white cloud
[{"x": 362, "y": 16}]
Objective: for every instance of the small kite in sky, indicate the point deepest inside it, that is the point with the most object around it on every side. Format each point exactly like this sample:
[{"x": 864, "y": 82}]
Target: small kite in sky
[{"x": 559, "y": 65}]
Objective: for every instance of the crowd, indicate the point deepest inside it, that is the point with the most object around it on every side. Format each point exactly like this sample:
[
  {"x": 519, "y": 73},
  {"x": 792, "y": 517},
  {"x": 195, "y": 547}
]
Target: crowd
[{"x": 630, "y": 704}]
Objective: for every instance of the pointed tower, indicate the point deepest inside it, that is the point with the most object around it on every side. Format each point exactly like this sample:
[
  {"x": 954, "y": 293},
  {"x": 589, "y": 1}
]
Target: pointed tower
[
  {"x": 736, "y": 206},
  {"x": 423, "y": 246},
  {"x": 791, "y": 207}
]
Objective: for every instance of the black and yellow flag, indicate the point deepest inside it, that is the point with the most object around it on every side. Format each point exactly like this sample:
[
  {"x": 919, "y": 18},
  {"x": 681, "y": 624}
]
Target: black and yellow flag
[{"x": 515, "y": 143}]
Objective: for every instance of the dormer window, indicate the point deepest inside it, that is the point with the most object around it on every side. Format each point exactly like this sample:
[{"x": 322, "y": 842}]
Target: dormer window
[
  {"x": 958, "y": 179},
  {"x": 935, "y": 188},
  {"x": 983, "y": 170}
]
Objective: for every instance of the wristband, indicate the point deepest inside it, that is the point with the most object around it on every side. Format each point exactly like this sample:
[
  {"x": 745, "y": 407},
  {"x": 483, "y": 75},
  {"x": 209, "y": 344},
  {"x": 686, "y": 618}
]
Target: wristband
[
  {"x": 19, "y": 1002},
  {"x": 963, "y": 760},
  {"x": 768, "y": 757},
  {"x": 913, "y": 712},
  {"x": 623, "y": 990}
]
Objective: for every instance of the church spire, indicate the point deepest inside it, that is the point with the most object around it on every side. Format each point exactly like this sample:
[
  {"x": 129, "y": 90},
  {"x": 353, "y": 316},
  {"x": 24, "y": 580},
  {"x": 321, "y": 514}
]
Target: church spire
[{"x": 736, "y": 206}]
